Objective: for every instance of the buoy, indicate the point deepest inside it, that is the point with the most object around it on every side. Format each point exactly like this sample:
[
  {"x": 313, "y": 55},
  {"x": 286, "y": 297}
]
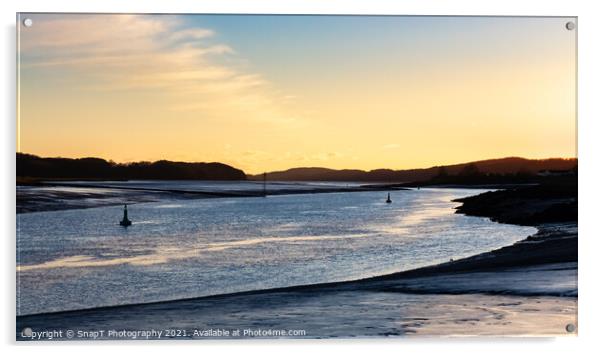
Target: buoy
[
  {"x": 388, "y": 198},
  {"x": 125, "y": 222}
]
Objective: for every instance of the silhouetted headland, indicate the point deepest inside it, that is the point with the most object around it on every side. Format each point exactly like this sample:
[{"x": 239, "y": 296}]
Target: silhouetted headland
[
  {"x": 32, "y": 167},
  {"x": 493, "y": 171}
]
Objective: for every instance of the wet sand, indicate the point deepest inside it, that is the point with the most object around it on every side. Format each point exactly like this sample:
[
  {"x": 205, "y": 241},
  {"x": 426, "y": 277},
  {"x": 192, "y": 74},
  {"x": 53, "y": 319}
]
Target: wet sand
[
  {"x": 64, "y": 196},
  {"x": 329, "y": 314}
]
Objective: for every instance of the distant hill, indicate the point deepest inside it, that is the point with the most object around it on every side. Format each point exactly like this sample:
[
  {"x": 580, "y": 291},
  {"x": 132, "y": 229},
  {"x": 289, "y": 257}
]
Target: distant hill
[
  {"x": 501, "y": 167},
  {"x": 32, "y": 166},
  {"x": 510, "y": 169}
]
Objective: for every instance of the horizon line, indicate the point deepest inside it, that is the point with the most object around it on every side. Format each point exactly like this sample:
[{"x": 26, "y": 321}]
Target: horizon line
[{"x": 297, "y": 167}]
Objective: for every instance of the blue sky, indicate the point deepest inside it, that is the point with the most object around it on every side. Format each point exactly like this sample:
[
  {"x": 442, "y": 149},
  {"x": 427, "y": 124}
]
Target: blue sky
[{"x": 274, "y": 92}]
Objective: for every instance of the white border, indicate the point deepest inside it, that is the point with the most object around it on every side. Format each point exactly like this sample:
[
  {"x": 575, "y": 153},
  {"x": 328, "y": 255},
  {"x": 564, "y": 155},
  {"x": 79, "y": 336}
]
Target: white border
[{"x": 589, "y": 169}]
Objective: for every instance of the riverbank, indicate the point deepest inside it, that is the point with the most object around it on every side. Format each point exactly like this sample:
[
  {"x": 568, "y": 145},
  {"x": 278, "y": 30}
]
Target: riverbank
[{"x": 339, "y": 311}]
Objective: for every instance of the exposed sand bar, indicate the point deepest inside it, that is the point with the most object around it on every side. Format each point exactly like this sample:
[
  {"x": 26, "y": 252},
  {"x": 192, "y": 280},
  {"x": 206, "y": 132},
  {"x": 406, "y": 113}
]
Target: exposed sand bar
[{"x": 62, "y": 196}]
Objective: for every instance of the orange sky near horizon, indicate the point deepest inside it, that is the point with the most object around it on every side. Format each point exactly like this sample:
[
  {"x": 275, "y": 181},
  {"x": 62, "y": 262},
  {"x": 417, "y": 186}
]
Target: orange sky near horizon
[{"x": 266, "y": 93}]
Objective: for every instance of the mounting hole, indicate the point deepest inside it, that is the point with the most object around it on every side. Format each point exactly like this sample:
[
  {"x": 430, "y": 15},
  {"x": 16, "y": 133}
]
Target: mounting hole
[
  {"x": 28, "y": 22},
  {"x": 570, "y": 328},
  {"x": 26, "y": 332},
  {"x": 570, "y": 25}
]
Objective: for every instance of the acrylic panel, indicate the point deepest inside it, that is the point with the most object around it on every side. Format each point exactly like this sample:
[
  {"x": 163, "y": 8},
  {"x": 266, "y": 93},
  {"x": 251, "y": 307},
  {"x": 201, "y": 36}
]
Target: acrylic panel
[{"x": 205, "y": 176}]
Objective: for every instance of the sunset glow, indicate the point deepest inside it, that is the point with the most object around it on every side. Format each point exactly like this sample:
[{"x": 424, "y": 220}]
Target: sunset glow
[{"x": 265, "y": 93}]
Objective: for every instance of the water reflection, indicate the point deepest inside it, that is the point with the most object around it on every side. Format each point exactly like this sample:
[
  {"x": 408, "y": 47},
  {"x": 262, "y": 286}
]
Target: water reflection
[{"x": 82, "y": 258}]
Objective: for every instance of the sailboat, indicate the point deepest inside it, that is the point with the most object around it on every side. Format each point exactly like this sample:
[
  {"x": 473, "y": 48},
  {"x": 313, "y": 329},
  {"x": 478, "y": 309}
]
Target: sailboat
[
  {"x": 388, "y": 198},
  {"x": 125, "y": 222}
]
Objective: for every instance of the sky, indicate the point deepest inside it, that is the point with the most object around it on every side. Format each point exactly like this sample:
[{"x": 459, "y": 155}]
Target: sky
[{"x": 267, "y": 93}]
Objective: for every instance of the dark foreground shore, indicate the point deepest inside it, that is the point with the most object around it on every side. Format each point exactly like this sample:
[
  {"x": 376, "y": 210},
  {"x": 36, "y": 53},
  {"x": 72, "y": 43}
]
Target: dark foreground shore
[{"x": 529, "y": 288}]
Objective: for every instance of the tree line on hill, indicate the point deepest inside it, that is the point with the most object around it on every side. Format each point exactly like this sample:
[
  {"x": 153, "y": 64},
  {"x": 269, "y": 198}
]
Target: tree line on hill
[
  {"x": 35, "y": 167},
  {"x": 471, "y": 175},
  {"x": 504, "y": 170},
  {"x": 494, "y": 171}
]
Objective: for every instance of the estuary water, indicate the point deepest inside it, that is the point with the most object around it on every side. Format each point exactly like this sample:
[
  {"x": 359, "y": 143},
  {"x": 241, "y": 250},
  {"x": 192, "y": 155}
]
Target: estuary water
[{"x": 176, "y": 249}]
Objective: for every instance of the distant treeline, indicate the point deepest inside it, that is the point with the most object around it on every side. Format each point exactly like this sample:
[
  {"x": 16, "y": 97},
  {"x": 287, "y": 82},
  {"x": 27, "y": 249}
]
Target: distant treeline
[
  {"x": 471, "y": 174},
  {"x": 505, "y": 170},
  {"x": 35, "y": 167}
]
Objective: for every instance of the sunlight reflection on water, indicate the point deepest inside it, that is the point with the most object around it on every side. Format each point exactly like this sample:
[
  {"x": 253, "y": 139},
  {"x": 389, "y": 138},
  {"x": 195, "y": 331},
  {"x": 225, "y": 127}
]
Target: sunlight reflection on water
[{"x": 82, "y": 258}]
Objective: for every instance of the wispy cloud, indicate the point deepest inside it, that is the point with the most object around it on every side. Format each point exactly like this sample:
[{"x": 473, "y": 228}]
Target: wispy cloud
[{"x": 131, "y": 52}]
